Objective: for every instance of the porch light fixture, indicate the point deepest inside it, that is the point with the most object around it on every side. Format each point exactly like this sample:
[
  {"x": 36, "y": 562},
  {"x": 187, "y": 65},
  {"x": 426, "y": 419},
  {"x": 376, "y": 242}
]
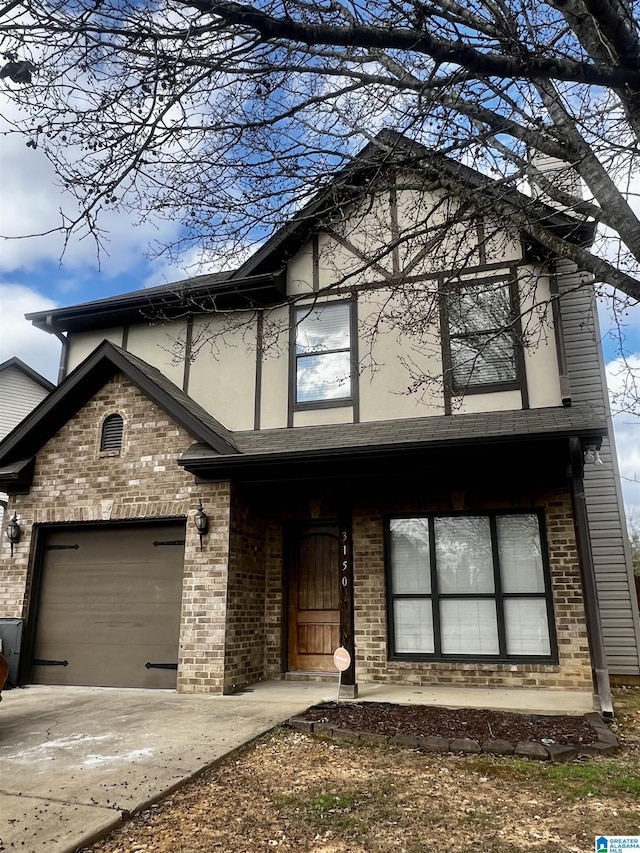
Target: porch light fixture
[
  {"x": 201, "y": 521},
  {"x": 14, "y": 531}
]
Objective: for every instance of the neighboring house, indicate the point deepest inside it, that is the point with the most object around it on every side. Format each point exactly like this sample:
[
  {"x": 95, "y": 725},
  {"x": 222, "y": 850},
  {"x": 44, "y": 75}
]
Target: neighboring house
[
  {"x": 21, "y": 389},
  {"x": 451, "y": 536}
]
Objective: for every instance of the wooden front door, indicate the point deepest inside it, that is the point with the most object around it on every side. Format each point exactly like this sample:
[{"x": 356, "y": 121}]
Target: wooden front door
[{"x": 314, "y": 599}]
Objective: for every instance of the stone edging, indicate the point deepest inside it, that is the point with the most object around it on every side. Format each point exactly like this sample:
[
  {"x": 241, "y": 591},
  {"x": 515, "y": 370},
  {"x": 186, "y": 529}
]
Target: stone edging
[{"x": 606, "y": 744}]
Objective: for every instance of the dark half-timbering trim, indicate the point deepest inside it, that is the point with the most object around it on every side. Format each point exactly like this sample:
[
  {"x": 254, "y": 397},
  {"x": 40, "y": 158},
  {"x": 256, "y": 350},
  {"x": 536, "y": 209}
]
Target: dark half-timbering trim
[{"x": 188, "y": 345}]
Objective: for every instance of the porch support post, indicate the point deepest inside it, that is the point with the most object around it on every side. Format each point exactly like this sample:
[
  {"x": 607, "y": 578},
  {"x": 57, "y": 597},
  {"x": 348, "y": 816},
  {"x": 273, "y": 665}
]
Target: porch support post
[
  {"x": 583, "y": 540},
  {"x": 349, "y": 685}
]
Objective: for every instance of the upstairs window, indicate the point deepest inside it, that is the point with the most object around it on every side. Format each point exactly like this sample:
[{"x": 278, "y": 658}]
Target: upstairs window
[
  {"x": 323, "y": 369},
  {"x": 111, "y": 438},
  {"x": 481, "y": 336}
]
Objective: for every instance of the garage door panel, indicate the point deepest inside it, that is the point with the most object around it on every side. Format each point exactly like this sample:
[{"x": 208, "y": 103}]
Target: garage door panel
[
  {"x": 122, "y": 584},
  {"x": 99, "y": 550},
  {"x": 104, "y": 666},
  {"x": 149, "y": 624},
  {"x": 110, "y": 606}
]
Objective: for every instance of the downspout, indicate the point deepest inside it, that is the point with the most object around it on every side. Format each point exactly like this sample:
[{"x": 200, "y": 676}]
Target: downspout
[
  {"x": 583, "y": 541},
  {"x": 64, "y": 353},
  {"x": 556, "y": 308}
]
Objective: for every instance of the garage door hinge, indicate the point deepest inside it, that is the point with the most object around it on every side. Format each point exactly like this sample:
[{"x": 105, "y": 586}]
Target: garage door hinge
[
  {"x": 61, "y": 547},
  {"x": 161, "y": 665},
  {"x": 39, "y": 662},
  {"x": 169, "y": 542}
]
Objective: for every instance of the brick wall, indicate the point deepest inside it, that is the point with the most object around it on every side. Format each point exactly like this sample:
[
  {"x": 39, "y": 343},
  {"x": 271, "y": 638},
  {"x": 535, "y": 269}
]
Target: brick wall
[
  {"x": 371, "y": 504},
  {"x": 573, "y": 670},
  {"x": 72, "y": 480},
  {"x": 245, "y": 637},
  {"x": 275, "y": 598}
]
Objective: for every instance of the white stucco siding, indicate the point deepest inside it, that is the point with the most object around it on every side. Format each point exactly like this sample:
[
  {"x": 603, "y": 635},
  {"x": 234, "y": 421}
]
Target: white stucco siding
[
  {"x": 275, "y": 369},
  {"x": 394, "y": 351},
  {"x": 500, "y": 245},
  {"x": 367, "y": 228},
  {"x": 161, "y": 345},
  {"x": 496, "y": 401},
  {"x": 317, "y": 417},
  {"x": 540, "y": 352},
  {"x": 436, "y": 221},
  {"x": 222, "y": 375},
  {"x": 82, "y": 344},
  {"x": 300, "y": 271}
]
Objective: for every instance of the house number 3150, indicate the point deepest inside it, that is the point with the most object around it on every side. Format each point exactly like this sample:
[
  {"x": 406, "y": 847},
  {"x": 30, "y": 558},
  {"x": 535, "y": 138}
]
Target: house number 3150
[{"x": 344, "y": 547}]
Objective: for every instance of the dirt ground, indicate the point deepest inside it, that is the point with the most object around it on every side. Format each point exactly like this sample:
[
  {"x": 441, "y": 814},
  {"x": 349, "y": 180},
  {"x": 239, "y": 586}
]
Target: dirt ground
[{"x": 290, "y": 791}]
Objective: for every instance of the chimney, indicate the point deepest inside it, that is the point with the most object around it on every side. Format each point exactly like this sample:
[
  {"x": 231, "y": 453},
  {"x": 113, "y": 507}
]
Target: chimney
[{"x": 561, "y": 175}]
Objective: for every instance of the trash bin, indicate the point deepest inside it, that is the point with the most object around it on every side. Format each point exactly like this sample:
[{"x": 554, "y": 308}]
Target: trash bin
[{"x": 11, "y": 642}]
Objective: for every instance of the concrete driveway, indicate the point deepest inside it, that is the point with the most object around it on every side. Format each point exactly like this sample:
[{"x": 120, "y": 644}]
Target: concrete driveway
[{"x": 75, "y": 760}]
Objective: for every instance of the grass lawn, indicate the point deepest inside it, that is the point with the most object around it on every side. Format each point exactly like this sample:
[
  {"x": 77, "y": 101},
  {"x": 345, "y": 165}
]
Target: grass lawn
[{"x": 289, "y": 791}]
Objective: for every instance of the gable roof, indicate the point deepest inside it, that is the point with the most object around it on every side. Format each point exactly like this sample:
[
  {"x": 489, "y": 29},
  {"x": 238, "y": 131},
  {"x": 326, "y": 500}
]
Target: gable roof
[
  {"x": 261, "y": 280},
  {"x": 394, "y": 150},
  {"x": 86, "y": 380},
  {"x": 18, "y": 364}
]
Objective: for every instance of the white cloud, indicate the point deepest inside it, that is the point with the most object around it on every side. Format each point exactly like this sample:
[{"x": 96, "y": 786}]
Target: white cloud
[
  {"x": 32, "y": 201},
  {"x": 19, "y": 338},
  {"x": 627, "y": 429}
]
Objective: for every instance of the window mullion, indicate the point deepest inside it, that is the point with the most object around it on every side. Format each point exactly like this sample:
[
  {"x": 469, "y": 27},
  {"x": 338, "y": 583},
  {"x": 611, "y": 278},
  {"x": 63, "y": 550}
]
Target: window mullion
[
  {"x": 497, "y": 582},
  {"x": 435, "y": 597}
]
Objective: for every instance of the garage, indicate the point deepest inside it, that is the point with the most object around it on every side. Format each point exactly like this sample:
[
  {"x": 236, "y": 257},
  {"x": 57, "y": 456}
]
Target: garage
[{"x": 108, "y": 605}]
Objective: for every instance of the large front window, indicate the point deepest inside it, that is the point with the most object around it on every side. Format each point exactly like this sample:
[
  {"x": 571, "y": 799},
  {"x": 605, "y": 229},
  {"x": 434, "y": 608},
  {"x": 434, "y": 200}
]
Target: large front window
[
  {"x": 469, "y": 587},
  {"x": 481, "y": 336},
  {"x": 323, "y": 362}
]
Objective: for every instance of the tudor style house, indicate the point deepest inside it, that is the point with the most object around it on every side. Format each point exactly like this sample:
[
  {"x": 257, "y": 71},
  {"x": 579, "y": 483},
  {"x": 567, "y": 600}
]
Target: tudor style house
[{"x": 354, "y": 438}]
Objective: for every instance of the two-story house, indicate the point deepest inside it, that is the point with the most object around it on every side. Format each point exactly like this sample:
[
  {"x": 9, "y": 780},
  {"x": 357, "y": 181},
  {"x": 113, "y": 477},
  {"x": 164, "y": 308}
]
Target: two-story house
[
  {"x": 21, "y": 389},
  {"x": 381, "y": 434}
]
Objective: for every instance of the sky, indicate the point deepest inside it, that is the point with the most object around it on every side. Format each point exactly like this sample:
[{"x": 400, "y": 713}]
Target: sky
[{"x": 37, "y": 273}]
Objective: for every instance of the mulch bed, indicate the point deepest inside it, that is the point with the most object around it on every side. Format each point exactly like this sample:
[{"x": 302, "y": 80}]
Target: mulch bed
[{"x": 480, "y": 725}]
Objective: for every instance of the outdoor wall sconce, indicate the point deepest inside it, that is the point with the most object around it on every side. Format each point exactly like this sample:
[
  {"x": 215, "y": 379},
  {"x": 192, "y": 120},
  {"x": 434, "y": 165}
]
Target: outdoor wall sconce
[
  {"x": 14, "y": 531},
  {"x": 201, "y": 522}
]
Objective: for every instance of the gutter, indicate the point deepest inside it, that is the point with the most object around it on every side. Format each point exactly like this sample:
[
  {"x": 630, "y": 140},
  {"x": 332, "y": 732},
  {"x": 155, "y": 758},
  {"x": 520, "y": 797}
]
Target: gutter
[
  {"x": 178, "y": 295},
  {"x": 583, "y": 541}
]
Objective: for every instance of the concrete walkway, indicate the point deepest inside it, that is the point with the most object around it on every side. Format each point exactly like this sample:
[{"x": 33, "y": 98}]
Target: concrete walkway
[{"x": 74, "y": 760}]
